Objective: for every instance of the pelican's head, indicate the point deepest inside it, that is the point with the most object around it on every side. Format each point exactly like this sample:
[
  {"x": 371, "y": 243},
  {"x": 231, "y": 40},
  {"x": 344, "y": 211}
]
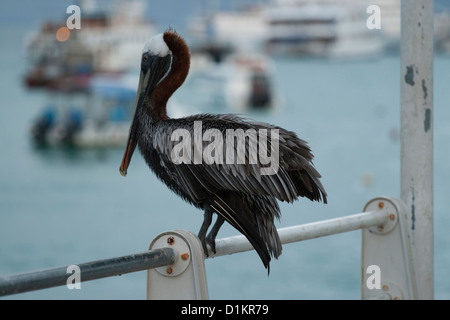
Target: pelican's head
[
  {"x": 155, "y": 64},
  {"x": 156, "y": 46},
  {"x": 160, "y": 76}
]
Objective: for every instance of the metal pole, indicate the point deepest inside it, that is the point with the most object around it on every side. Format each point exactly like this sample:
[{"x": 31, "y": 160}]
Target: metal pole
[
  {"x": 417, "y": 133},
  {"x": 312, "y": 230},
  {"x": 88, "y": 271}
]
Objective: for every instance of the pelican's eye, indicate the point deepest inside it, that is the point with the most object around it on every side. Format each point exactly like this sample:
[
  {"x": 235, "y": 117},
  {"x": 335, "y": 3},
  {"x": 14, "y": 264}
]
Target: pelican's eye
[{"x": 145, "y": 64}]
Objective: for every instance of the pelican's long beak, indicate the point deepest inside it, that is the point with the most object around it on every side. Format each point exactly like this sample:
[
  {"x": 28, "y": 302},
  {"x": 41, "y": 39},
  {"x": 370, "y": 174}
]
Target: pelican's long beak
[
  {"x": 153, "y": 70},
  {"x": 132, "y": 136}
]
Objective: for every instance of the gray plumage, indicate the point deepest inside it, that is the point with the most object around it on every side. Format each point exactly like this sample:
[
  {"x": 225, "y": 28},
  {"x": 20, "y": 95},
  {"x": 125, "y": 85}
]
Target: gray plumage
[{"x": 244, "y": 198}]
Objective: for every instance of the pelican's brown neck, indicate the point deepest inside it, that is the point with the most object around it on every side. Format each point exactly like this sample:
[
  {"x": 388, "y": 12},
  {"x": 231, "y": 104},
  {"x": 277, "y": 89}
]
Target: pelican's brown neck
[{"x": 178, "y": 72}]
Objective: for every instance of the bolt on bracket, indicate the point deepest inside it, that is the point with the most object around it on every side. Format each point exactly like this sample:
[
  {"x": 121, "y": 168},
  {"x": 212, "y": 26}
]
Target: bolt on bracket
[{"x": 186, "y": 277}]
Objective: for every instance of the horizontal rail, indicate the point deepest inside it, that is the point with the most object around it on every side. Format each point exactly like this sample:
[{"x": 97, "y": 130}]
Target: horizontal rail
[
  {"x": 306, "y": 231},
  {"x": 58, "y": 276}
]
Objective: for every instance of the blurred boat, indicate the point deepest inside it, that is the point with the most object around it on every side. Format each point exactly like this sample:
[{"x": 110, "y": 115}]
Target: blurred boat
[
  {"x": 110, "y": 40},
  {"x": 319, "y": 28},
  {"x": 97, "y": 118},
  {"x": 237, "y": 81},
  {"x": 86, "y": 76},
  {"x": 442, "y": 32},
  {"x": 246, "y": 28}
]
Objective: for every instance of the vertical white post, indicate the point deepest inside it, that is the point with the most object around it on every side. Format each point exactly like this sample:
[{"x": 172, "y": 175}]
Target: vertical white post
[{"x": 417, "y": 134}]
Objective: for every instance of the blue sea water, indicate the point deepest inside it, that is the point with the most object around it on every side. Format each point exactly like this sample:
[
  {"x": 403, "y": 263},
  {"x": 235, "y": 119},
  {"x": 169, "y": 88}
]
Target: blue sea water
[{"x": 59, "y": 208}]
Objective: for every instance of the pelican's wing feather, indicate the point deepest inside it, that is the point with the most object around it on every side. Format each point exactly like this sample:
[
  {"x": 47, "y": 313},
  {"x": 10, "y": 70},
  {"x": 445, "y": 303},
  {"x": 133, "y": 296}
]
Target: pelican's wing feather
[{"x": 292, "y": 175}]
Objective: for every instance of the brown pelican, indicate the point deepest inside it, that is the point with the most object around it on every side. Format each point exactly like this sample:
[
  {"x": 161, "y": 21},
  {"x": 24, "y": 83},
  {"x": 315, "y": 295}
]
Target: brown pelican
[{"x": 236, "y": 191}]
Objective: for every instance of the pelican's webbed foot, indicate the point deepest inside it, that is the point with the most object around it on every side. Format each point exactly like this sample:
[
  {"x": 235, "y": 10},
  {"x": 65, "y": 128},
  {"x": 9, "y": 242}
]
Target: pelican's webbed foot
[{"x": 211, "y": 238}]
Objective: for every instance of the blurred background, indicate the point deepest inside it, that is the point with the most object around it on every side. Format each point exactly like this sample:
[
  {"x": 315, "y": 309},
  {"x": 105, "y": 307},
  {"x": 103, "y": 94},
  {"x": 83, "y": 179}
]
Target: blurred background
[{"x": 313, "y": 67}]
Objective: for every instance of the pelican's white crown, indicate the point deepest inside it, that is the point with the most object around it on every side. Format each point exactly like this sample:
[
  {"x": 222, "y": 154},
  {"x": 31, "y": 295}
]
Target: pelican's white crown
[{"x": 156, "y": 46}]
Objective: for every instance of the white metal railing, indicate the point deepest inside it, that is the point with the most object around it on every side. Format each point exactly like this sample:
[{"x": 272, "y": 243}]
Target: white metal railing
[
  {"x": 59, "y": 276},
  {"x": 385, "y": 247},
  {"x": 302, "y": 232},
  {"x": 175, "y": 259}
]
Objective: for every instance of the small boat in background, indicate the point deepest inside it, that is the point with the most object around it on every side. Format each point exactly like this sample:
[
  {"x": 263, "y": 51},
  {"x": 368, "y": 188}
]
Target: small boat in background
[
  {"x": 108, "y": 42},
  {"x": 442, "y": 32},
  {"x": 98, "y": 118},
  {"x": 241, "y": 81},
  {"x": 250, "y": 85},
  {"x": 326, "y": 29}
]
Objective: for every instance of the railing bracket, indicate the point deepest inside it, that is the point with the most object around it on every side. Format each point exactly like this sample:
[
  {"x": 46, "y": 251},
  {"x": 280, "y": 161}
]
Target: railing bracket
[
  {"x": 186, "y": 277},
  {"x": 387, "y": 262}
]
